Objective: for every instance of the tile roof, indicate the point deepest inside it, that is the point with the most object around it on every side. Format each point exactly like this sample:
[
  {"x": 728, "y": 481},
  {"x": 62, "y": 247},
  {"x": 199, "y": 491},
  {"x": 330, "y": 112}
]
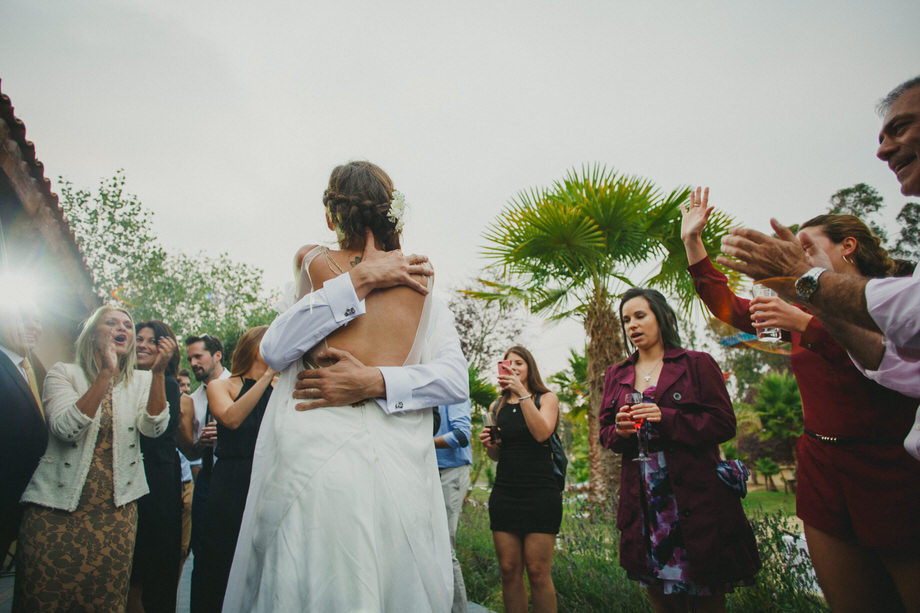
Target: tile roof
[{"x": 35, "y": 169}]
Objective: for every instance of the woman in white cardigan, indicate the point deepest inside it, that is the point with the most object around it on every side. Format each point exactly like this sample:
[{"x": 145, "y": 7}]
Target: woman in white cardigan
[{"x": 77, "y": 535}]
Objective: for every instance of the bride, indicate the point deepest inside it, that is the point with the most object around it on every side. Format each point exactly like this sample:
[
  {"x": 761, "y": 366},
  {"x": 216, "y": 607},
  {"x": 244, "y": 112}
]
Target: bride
[{"x": 345, "y": 510}]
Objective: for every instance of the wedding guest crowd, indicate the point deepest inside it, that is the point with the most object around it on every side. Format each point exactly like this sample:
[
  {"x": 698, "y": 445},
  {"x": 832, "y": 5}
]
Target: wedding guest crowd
[
  {"x": 78, "y": 528},
  {"x": 112, "y": 468}
]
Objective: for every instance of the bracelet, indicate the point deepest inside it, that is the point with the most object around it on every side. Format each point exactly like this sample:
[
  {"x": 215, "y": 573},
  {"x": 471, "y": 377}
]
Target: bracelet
[{"x": 522, "y": 398}]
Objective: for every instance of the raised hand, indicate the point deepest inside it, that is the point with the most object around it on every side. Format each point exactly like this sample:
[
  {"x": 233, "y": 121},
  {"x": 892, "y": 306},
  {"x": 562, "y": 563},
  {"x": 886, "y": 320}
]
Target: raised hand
[
  {"x": 695, "y": 213},
  {"x": 166, "y": 347},
  {"x": 108, "y": 355},
  {"x": 761, "y": 257},
  {"x": 512, "y": 382}
]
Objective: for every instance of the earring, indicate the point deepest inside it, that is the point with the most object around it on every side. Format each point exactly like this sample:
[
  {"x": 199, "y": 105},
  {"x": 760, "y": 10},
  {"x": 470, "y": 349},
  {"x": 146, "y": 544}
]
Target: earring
[{"x": 845, "y": 259}]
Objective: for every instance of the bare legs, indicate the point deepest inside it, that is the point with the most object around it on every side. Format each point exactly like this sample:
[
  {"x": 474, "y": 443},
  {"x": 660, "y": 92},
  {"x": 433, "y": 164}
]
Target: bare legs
[
  {"x": 535, "y": 552},
  {"x": 855, "y": 578}
]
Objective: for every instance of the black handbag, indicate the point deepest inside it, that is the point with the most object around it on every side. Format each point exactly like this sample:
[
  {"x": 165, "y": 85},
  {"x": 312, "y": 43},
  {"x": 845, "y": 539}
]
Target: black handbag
[
  {"x": 560, "y": 461},
  {"x": 734, "y": 474}
]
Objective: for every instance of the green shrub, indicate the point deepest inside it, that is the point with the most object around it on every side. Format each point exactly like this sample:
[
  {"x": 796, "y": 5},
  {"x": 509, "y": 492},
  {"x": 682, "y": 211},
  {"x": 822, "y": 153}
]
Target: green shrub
[{"x": 588, "y": 576}]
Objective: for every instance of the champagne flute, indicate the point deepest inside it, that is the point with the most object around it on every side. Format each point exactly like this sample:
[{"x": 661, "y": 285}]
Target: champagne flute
[{"x": 632, "y": 399}]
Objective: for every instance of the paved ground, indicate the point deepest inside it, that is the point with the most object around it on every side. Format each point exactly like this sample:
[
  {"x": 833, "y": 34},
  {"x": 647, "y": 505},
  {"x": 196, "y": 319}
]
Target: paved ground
[{"x": 6, "y": 592}]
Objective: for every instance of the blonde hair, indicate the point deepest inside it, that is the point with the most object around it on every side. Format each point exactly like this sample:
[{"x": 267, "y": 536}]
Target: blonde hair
[{"x": 86, "y": 346}]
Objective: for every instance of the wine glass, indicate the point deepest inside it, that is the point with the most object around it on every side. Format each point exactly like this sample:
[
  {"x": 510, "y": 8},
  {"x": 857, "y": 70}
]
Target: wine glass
[
  {"x": 488, "y": 424},
  {"x": 634, "y": 398}
]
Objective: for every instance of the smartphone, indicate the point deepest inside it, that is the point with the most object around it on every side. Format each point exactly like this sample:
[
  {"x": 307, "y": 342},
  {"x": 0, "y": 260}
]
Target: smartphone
[{"x": 504, "y": 367}]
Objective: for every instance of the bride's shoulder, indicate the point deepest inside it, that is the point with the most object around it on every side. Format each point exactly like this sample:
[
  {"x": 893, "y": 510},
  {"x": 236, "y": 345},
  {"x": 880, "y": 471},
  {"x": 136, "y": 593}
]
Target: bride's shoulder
[{"x": 302, "y": 252}]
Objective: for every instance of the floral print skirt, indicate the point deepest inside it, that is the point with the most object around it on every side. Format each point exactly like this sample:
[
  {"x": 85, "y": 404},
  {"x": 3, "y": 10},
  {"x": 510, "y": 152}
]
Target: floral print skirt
[{"x": 79, "y": 561}]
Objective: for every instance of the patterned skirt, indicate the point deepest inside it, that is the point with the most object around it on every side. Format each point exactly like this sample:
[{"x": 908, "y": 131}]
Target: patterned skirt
[{"x": 79, "y": 561}]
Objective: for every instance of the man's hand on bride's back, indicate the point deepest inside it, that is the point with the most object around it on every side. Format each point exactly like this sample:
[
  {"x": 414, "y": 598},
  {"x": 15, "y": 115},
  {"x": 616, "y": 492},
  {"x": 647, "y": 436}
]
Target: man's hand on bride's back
[
  {"x": 382, "y": 269},
  {"x": 345, "y": 382}
]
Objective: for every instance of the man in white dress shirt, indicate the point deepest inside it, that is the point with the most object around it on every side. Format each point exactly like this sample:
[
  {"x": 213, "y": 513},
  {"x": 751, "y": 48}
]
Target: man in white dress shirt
[{"x": 204, "y": 355}]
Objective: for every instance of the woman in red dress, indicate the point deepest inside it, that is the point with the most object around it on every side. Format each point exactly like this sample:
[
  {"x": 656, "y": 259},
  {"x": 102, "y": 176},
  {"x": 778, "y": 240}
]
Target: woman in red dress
[{"x": 857, "y": 492}]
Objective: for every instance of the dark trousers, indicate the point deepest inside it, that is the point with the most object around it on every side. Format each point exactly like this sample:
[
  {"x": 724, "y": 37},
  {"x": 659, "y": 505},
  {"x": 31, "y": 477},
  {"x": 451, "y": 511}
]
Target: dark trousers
[{"x": 199, "y": 510}]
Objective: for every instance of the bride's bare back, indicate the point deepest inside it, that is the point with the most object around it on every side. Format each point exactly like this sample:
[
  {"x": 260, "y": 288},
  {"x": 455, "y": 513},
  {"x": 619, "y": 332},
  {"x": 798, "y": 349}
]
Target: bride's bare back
[{"x": 384, "y": 335}]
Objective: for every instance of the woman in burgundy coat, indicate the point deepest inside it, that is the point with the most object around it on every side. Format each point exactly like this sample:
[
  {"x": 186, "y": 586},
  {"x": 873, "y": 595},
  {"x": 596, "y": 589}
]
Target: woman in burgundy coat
[{"x": 684, "y": 535}]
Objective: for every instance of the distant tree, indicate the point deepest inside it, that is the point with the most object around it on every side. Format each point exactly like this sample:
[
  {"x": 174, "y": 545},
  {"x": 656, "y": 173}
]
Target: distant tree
[
  {"x": 482, "y": 392},
  {"x": 194, "y": 294},
  {"x": 486, "y": 329},
  {"x": 779, "y": 406},
  {"x": 572, "y": 388},
  {"x": 908, "y": 245},
  {"x": 571, "y": 385},
  {"x": 768, "y": 468},
  {"x": 865, "y": 202},
  {"x": 861, "y": 200}
]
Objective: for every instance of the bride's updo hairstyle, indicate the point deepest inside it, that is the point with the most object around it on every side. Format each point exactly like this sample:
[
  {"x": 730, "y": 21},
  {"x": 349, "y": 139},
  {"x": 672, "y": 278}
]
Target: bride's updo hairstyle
[{"x": 358, "y": 197}]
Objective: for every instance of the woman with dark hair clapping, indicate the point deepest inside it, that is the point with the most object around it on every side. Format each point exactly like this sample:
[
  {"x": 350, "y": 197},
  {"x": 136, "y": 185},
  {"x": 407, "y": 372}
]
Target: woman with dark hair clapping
[
  {"x": 684, "y": 533},
  {"x": 857, "y": 490},
  {"x": 155, "y": 573},
  {"x": 525, "y": 507}
]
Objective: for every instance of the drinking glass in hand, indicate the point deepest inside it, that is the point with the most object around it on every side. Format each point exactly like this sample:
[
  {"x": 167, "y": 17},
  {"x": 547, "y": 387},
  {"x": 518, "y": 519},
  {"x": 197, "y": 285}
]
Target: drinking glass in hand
[
  {"x": 632, "y": 399},
  {"x": 489, "y": 425},
  {"x": 766, "y": 335}
]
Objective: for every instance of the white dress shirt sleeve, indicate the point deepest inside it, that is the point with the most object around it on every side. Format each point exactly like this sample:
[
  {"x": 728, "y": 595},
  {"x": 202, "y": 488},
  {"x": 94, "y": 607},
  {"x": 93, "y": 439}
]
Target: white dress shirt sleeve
[
  {"x": 309, "y": 321},
  {"x": 894, "y": 304},
  {"x": 442, "y": 378},
  {"x": 899, "y": 369}
]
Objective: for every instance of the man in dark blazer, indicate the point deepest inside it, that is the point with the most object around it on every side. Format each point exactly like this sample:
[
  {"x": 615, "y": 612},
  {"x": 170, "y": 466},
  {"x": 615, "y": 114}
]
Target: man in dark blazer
[{"x": 23, "y": 430}]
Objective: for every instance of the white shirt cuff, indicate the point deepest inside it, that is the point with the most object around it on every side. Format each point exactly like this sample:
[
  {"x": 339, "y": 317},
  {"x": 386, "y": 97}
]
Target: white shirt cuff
[
  {"x": 340, "y": 292},
  {"x": 398, "y": 382}
]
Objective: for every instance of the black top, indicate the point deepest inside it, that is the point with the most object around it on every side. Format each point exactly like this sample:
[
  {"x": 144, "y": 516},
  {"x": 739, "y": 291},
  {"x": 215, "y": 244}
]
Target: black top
[
  {"x": 162, "y": 449},
  {"x": 241, "y": 443},
  {"x": 523, "y": 462}
]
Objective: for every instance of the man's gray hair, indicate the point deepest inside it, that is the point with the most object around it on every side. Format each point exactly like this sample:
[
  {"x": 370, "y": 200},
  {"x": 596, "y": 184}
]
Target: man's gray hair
[{"x": 896, "y": 93}]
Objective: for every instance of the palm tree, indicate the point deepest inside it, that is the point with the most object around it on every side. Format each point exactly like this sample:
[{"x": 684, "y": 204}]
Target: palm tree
[{"x": 569, "y": 250}]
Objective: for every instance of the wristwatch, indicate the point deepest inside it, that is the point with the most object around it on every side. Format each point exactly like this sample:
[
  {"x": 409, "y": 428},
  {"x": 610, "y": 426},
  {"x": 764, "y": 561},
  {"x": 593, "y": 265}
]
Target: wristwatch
[{"x": 807, "y": 284}]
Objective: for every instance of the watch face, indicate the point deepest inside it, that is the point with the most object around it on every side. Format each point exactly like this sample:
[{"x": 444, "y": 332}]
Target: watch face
[{"x": 807, "y": 284}]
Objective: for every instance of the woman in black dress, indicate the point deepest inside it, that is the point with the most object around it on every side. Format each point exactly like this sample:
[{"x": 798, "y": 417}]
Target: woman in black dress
[
  {"x": 238, "y": 404},
  {"x": 155, "y": 572},
  {"x": 525, "y": 508}
]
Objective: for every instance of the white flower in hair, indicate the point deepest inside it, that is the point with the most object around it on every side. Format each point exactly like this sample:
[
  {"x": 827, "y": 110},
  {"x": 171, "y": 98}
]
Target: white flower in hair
[{"x": 397, "y": 211}]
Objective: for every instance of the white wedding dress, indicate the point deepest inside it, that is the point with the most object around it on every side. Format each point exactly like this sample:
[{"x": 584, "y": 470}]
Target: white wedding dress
[{"x": 345, "y": 510}]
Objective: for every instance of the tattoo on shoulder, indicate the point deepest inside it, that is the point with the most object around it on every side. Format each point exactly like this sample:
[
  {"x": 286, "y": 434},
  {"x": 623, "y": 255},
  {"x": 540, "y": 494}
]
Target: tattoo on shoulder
[{"x": 355, "y": 261}]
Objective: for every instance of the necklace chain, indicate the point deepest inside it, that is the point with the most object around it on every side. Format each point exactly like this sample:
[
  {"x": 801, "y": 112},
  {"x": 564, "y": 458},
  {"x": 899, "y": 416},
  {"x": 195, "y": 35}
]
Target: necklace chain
[{"x": 648, "y": 376}]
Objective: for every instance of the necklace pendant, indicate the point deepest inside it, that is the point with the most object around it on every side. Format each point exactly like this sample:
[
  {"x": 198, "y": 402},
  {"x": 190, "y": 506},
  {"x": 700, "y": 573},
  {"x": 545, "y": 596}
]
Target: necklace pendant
[{"x": 648, "y": 378}]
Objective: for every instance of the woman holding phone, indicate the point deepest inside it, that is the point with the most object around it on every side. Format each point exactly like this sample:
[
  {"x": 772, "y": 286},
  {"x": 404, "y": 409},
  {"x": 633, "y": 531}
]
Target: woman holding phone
[
  {"x": 684, "y": 533},
  {"x": 525, "y": 507}
]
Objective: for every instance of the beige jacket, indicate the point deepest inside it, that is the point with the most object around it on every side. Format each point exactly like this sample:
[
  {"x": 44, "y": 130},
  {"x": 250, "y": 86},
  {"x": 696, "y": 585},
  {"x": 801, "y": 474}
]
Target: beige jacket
[{"x": 58, "y": 480}]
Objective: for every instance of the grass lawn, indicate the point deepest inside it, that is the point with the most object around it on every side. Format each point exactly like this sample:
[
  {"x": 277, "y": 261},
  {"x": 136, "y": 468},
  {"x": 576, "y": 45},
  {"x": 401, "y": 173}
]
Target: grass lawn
[{"x": 769, "y": 502}]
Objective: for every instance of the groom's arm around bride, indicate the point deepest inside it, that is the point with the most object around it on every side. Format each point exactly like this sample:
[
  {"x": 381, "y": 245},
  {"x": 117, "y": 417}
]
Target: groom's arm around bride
[{"x": 442, "y": 380}]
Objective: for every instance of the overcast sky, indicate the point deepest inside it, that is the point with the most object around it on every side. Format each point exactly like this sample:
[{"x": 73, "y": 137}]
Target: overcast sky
[{"x": 228, "y": 116}]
